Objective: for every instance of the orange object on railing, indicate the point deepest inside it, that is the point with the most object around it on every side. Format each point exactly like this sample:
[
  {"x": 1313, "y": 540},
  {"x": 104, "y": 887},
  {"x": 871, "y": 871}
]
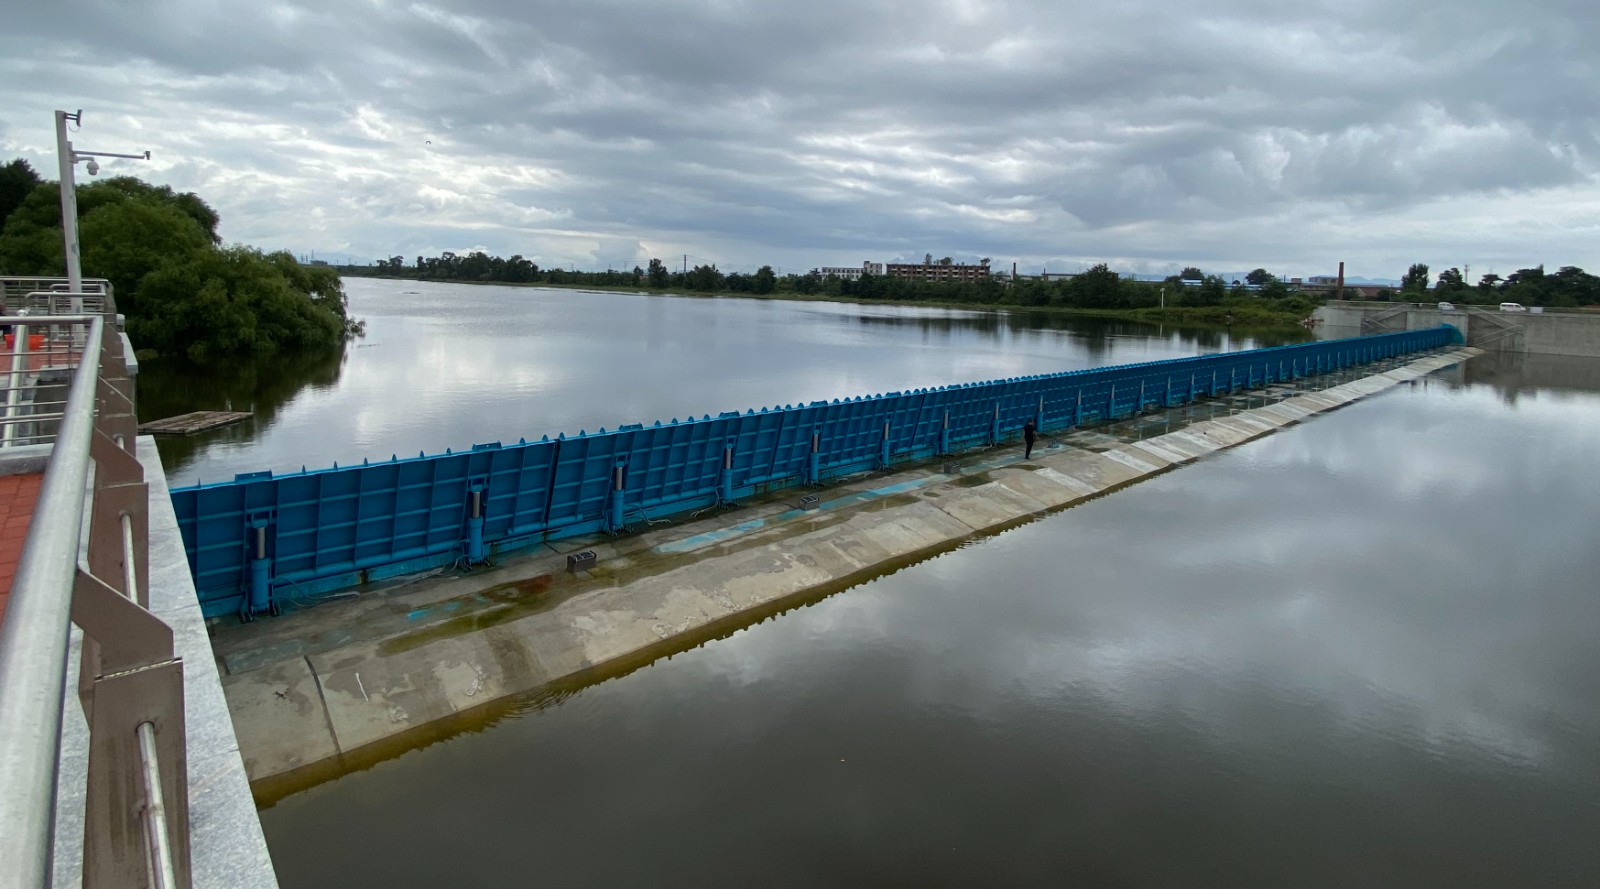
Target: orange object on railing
[{"x": 35, "y": 341}]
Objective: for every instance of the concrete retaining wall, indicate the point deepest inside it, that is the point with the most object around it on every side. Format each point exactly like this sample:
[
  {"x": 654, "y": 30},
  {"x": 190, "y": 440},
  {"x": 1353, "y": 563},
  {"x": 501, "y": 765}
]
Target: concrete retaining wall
[{"x": 1546, "y": 333}]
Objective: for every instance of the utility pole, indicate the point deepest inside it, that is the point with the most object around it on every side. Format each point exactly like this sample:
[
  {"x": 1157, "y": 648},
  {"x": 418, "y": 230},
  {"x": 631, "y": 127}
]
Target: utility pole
[{"x": 66, "y": 159}]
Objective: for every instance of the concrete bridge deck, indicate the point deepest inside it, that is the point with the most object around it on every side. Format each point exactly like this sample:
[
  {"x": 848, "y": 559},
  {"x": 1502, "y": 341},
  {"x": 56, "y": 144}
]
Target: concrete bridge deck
[{"x": 387, "y": 668}]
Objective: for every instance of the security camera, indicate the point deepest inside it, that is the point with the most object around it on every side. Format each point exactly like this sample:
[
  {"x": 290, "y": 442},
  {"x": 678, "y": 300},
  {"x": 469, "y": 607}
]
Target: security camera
[{"x": 94, "y": 167}]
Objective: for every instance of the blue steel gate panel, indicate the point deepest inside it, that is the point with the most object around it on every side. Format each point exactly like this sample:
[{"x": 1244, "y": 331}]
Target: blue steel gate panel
[
  {"x": 680, "y": 462},
  {"x": 330, "y": 528},
  {"x": 517, "y": 496},
  {"x": 755, "y": 447}
]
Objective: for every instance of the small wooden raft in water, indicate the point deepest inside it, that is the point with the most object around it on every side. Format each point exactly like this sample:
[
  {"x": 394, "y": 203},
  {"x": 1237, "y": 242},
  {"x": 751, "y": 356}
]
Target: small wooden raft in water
[{"x": 188, "y": 424}]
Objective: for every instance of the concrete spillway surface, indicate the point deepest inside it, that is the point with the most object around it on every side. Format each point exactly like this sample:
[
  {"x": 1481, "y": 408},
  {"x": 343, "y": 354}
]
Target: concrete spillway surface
[{"x": 360, "y": 678}]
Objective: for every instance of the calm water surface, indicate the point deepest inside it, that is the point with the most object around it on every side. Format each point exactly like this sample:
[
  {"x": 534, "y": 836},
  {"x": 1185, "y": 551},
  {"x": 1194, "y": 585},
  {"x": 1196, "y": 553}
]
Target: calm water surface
[
  {"x": 452, "y": 365},
  {"x": 1355, "y": 653}
]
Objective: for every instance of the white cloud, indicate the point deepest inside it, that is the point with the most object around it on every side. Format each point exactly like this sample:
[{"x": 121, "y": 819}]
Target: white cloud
[{"x": 1223, "y": 133}]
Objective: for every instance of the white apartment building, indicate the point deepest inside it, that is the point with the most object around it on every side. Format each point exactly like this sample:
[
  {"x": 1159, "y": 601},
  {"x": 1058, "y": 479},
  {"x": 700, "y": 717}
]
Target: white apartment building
[{"x": 848, "y": 273}]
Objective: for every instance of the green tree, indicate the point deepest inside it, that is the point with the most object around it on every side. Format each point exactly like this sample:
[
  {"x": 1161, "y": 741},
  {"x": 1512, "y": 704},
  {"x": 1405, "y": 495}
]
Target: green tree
[
  {"x": 1450, "y": 281},
  {"x": 119, "y": 189},
  {"x": 17, "y": 181},
  {"x": 180, "y": 292},
  {"x": 1191, "y": 273},
  {"x": 127, "y": 240},
  {"x": 1572, "y": 286},
  {"x": 217, "y": 303},
  {"x": 1211, "y": 292},
  {"x": 766, "y": 280},
  {"x": 657, "y": 274},
  {"x": 31, "y": 242},
  {"x": 704, "y": 278},
  {"x": 1260, "y": 278},
  {"x": 1415, "y": 280},
  {"x": 1098, "y": 287},
  {"x": 1275, "y": 289}
]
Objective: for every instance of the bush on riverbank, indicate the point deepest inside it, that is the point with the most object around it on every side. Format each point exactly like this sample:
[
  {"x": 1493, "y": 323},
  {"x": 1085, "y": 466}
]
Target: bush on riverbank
[{"x": 181, "y": 292}]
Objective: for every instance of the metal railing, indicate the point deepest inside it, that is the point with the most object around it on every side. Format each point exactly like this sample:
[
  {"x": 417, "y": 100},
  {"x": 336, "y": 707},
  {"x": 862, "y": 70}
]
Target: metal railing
[
  {"x": 36, "y": 361},
  {"x": 136, "y": 817},
  {"x": 1504, "y": 330},
  {"x": 1379, "y": 323},
  {"x": 14, "y": 286}
]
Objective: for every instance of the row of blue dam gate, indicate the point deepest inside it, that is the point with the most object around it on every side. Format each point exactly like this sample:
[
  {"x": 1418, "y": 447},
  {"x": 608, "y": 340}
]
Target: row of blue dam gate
[{"x": 258, "y": 541}]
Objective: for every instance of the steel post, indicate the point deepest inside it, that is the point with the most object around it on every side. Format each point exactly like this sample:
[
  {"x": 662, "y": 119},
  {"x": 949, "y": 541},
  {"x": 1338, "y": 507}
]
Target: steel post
[
  {"x": 615, "y": 519},
  {"x": 475, "y": 525}
]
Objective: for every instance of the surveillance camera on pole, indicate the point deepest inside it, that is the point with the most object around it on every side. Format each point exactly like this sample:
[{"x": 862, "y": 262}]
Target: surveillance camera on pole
[{"x": 67, "y": 157}]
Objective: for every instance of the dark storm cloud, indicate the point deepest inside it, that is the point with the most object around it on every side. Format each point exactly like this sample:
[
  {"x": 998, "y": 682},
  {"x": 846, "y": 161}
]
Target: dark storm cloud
[{"x": 1154, "y": 134}]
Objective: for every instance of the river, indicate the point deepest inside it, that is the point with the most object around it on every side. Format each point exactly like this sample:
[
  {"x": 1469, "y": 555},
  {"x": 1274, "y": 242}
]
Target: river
[
  {"x": 452, "y": 365},
  {"x": 1357, "y": 652}
]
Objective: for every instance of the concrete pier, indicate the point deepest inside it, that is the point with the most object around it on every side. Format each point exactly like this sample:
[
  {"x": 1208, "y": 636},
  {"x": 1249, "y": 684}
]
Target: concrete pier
[{"x": 361, "y": 678}]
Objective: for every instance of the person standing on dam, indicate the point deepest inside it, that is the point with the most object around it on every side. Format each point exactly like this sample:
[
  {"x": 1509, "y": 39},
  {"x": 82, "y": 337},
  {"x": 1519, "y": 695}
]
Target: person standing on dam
[{"x": 1029, "y": 434}]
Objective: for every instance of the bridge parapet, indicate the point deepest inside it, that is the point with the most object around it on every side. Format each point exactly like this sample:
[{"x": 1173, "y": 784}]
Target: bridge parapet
[{"x": 98, "y": 789}]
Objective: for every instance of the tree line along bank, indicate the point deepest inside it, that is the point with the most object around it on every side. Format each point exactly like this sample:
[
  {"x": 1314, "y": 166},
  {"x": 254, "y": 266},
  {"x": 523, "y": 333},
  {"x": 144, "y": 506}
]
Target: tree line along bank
[
  {"x": 181, "y": 290},
  {"x": 1191, "y": 297},
  {"x": 1191, "y": 292}
]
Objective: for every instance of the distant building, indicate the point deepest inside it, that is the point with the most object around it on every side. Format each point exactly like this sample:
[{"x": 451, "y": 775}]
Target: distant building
[
  {"x": 1328, "y": 286},
  {"x": 937, "y": 272},
  {"x": 851, "y": 274}
]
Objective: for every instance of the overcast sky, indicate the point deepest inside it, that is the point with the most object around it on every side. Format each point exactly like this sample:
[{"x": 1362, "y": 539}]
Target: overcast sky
[{"x": 1150, "y": 134}]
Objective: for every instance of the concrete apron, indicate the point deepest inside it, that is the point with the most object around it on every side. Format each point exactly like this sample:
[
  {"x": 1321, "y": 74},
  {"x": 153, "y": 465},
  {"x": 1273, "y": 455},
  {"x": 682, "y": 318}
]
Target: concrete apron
[{"x": 323, "y": 691}]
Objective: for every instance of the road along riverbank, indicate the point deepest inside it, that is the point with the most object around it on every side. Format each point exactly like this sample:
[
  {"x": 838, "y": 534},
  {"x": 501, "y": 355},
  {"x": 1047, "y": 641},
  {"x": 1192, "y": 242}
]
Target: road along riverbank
[{"x": 359, "y": 679}]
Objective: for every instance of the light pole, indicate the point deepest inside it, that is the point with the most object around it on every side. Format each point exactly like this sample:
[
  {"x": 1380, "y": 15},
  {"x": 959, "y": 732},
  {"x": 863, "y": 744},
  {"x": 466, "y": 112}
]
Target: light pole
[{"x": 67, "y": 158}]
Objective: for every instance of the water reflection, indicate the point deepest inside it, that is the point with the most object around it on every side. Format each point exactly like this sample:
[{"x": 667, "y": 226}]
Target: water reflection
[
  {"x": 1515, "y": 373},
  {"x": 1353, "y": 653},
  {"x": 263, "y": 387},
  {"x": 1097, "y": 336},
  {"x": 451, "y": 365}
]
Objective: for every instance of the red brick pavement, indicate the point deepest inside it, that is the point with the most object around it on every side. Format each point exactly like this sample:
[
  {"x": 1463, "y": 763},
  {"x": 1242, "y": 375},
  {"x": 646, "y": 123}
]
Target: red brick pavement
[
  {"x": 40, "y": 353},
  {"x": 18, "y": 493}
]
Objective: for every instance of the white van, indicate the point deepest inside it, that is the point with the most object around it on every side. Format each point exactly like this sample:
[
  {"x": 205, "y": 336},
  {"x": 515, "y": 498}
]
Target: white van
[
  {"x": 1513, "y": 307},
  {"x": 1447, "y": 307}
]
